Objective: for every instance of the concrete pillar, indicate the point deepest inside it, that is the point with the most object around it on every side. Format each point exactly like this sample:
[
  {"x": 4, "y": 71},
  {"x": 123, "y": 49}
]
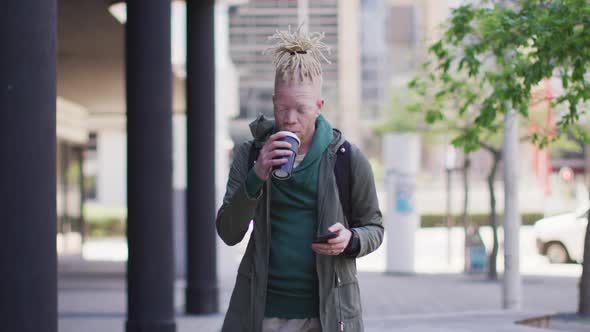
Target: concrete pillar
[
  {"x": 512, "y": 281},
  {"x": 202, "y": 290},
  {"x": 401, "y": 156},
  {"x": 111, "y": 157},
  {"x": 179, "y": 193},
  {"x": 227, "y": 98},
  {"x": 150, "y": 267},
  {"x": 349, "y": 71},
  {"x": 28, "y": 260}
]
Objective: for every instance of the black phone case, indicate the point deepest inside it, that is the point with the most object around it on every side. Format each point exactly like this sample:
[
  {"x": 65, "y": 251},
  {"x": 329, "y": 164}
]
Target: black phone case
[{"x": 325, "y": 237}]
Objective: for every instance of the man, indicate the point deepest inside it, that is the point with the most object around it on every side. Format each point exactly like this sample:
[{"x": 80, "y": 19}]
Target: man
[{"x": 284, "y": 282}]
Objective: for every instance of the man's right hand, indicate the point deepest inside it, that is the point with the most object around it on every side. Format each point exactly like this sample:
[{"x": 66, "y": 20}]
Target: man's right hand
[{"x": 273, "y": 148}]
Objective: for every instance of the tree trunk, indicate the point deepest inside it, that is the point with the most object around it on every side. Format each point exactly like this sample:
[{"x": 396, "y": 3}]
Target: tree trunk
[
  {"x": 465, "y": 221},
  {"x": 584, "y": 308},
  {"x": 493, "y": 271},
  {"x": 465, "y": 171}
]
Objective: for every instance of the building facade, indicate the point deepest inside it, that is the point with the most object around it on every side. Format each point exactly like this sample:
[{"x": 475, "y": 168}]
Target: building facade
[{"x": 356, "y": 79}]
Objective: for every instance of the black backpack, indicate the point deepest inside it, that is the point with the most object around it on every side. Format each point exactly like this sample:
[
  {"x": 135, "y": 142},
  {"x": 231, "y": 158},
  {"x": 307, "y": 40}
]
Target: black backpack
[{"x": 341, "y": 172}]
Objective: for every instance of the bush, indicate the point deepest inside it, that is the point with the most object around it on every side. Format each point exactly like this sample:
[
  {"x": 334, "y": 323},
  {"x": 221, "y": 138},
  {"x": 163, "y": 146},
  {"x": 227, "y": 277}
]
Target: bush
[
  {"x": 101, "y": 221},
  {"x": 101, "y": 227},
  {"x": 112, "y": 226},
  {"x": 479, "y": 219}
]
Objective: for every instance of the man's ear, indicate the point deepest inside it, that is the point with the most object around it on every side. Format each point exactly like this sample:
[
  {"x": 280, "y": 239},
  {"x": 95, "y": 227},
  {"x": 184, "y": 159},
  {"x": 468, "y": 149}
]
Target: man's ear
[{"x": 320, "y": 104}]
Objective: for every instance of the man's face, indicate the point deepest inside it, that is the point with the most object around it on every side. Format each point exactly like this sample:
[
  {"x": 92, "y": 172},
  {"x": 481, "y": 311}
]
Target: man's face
[{"x": 296, "y": 107}]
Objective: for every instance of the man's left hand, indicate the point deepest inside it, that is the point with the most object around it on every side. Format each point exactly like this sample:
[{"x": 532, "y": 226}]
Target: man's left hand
[{"x": 335, "y": 246}]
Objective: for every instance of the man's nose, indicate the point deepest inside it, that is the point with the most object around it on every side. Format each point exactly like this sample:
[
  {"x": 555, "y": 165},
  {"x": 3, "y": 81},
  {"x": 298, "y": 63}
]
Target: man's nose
[{"x": 291, "y": 117}]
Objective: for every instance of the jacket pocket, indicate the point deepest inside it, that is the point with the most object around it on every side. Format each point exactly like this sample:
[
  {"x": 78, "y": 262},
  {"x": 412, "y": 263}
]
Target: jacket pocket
[
  {"x": 349, "y": 299},
  {"x": 239, "y": 315},
  {"x": 353, "y": 325}
]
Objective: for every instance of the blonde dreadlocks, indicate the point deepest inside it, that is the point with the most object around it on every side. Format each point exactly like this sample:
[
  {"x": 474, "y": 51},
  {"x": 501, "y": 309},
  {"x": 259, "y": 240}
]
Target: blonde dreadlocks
[{"x": 298, "y": 54}]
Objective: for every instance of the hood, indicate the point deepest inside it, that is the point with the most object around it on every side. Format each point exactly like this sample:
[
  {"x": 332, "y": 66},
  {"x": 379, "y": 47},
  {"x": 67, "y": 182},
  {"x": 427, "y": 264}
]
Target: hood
[{"x": 261, "y": 128}]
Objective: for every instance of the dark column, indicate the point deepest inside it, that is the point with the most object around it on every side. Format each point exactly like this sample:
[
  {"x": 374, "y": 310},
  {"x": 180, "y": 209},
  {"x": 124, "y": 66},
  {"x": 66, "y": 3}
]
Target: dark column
[
  {"x": 150, "y": 268},
  {"x": 28, "y": 260},
  {"x": 202, "y": 290},
  {"x": 179, "y": 212}
]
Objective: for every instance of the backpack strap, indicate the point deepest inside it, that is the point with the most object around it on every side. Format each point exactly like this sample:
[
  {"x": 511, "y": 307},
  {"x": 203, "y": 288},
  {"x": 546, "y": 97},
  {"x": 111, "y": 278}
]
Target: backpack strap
[{"x": 342, "y": 173}]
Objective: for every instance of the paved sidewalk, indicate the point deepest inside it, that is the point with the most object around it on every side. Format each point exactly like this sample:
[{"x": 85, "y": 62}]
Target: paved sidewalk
[
  {"x": 459, "y": 322},
  {"x": 492, "y": 321},
  {"x": 424, "y": 303},
  {"x": 92, "y": 295}
]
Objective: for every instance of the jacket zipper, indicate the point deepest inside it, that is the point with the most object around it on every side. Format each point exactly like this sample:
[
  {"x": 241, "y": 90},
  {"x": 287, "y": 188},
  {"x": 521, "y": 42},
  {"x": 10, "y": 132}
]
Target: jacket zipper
[
  {"x": 338, "y": 282},
  {"x": 330, "y": 160},
  {"x": 252, "y": 302},
  {"x": 341, "y": 321},
  {"x": 268, "y": 240}
]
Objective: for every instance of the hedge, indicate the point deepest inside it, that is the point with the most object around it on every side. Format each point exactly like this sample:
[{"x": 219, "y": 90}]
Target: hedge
[
  {"x": 110, "y": 226},
  {"x": 479, "y": 219},
  {"x": 105, "y": 227}
]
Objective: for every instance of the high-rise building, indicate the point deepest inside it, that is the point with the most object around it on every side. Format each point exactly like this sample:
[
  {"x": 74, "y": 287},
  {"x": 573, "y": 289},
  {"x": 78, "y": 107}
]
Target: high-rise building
[
  {"x": 375, "y": 15},
  {"x": 250, "y": 26},
  {"x": 253, "y": 22}
]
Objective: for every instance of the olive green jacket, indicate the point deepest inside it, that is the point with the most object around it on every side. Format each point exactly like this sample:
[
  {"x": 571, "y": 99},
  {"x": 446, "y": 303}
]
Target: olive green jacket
[{"x": 340, "y": 303}]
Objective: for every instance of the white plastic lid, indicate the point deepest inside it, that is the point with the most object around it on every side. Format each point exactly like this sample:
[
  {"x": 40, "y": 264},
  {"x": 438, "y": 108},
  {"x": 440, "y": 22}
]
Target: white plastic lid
[{"x": 288, "y": 133}]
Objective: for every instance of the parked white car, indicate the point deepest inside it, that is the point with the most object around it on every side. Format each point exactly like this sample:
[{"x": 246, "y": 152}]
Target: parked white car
[{"x": 561, "y": 237}]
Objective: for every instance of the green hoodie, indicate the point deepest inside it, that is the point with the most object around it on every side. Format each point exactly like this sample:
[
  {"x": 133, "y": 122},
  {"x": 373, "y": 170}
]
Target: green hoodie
[{"x": 292, "y": 280}]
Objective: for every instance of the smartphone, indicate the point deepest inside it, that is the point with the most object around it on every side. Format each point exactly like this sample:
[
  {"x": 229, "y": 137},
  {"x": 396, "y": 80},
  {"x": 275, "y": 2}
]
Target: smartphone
[{"x": 325, "y": 237}]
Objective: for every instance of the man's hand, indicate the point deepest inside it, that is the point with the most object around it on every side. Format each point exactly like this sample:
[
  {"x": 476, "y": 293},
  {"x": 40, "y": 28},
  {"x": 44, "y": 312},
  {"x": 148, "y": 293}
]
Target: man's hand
[
  {"x": 335, "y": 246},
  {"x": 273, "y": 148}
]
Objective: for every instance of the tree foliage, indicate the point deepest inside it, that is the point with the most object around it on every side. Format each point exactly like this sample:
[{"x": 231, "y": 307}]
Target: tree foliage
[
  {"x": 490, "y": 59},
  {"x": 492, "y": 55}
]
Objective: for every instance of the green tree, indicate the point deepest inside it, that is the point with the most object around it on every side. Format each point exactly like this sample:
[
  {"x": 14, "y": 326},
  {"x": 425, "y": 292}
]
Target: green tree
[
  {"x": 493, "y": 53},
  {"x": 442, "y": 117}
]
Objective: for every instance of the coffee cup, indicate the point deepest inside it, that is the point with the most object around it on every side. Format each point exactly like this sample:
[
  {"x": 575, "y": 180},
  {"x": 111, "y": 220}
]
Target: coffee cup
[{"x": 283, "y": 172}]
